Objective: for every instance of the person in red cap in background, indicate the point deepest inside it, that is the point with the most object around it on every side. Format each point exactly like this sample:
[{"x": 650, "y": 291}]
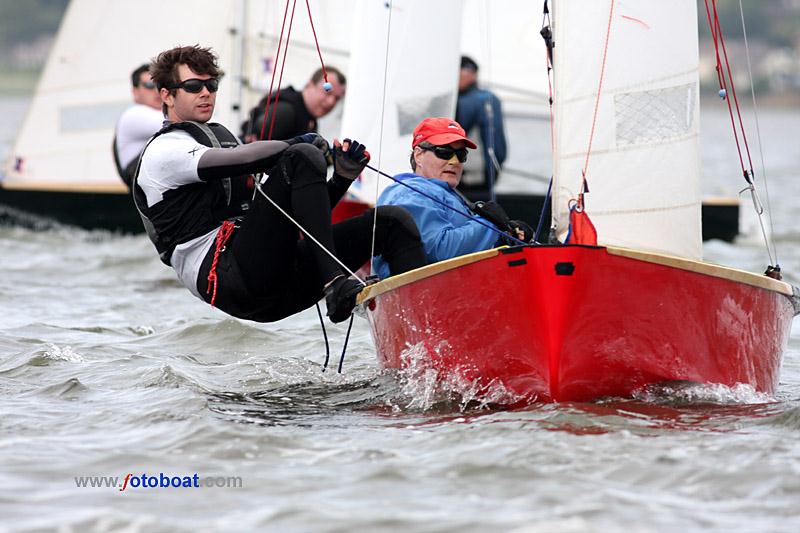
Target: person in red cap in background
[{"x": 440, "y": 148}]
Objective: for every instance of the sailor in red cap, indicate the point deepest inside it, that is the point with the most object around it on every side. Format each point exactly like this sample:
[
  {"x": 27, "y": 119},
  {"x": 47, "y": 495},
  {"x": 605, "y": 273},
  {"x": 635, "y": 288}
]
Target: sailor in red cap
[{"x": 439, "y": 149}]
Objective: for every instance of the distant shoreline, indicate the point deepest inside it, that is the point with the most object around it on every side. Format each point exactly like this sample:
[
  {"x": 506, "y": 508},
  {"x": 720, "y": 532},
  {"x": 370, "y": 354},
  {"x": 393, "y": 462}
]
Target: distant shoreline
[{"x": 18, "y": 82}]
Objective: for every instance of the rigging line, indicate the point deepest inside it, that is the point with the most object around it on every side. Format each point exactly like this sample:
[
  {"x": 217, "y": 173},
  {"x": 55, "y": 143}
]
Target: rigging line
[
  {"x": 758, "y": 136},
  {"x": 716, "y": 32},
  {"x": 380, "y": 129},
  {"x": 319, "y": 52},
  {"x": 469, "y": 216},
  {"x": 715, "y": 29},
  {"x": 274, "y": 69},
  {"x": 547, "y": 34},
  {"x": 346, "y": 338},
  {"x": 720, "y": 79},
  {"x": 280, "y": 78},
  {"x": 541, "y": 214},
  {"x": 733, "y": 90},
  {"x": 597, "y": 100},
  {"x": 492, "y": 164},
  {"x": 301, "y": 228},
  {"x": 325, "y": 336}
]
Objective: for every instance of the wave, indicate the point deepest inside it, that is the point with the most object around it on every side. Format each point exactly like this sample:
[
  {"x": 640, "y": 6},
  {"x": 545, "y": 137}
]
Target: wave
[{"x": 686, "y": 392}]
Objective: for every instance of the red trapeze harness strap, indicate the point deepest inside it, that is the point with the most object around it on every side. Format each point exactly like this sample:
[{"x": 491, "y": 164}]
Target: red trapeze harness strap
[{"x": 223, "y": 235}]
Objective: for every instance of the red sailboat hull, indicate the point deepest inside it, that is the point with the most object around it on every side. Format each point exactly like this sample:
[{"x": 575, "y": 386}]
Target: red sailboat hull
[{"x": 579, "y": 323}]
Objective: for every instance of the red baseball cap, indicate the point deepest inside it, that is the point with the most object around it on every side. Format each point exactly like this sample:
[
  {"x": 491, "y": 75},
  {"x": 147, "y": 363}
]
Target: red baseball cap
[{"x": 439, "y": 131}]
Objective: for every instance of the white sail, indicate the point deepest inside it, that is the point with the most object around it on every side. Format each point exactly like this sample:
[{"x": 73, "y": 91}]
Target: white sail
[
  {"x": 421, "y": 79},
  {"x": 65, "y": 140},
  {"x": 643, "y": 168},
  {"x": 503, "y": 38},
  {"x": 263, "y": 22}
]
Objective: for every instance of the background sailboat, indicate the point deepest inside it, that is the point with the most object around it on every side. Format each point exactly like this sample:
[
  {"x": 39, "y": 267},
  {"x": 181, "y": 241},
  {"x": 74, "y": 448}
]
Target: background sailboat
[
  {"x": 61, "y": 164},
  {"x": 576, "y": 322}
]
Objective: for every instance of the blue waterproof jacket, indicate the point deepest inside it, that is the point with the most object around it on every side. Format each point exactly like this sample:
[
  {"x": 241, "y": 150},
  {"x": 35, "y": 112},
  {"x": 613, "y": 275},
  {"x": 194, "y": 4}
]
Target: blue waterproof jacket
[
  {"x": 471, "y": 112},
  {"x": 445, "y": 233}
]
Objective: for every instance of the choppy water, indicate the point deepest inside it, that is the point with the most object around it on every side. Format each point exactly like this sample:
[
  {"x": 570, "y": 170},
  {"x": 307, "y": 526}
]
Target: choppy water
[{"x": 109, "y": 367}]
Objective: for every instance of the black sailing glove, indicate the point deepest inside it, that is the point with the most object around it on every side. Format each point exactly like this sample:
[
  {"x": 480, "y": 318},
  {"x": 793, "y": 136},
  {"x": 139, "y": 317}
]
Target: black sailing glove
[
  {"x": 492, "y": 212},
  {"x": 520, "y": 230},
  {"x": 318, "y": 141},
  {"x": 349, "y": 163},
  {"x": 304, "y": 138}
]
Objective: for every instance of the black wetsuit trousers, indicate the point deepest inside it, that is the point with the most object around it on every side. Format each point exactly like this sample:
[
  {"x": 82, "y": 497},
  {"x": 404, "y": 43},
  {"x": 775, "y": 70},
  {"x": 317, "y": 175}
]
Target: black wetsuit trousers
[{"x": 267, "y": 271}]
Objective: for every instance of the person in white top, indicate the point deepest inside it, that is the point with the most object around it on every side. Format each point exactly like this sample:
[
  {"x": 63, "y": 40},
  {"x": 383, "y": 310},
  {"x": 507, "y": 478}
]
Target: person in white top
[{"x": 138, "y": 123}]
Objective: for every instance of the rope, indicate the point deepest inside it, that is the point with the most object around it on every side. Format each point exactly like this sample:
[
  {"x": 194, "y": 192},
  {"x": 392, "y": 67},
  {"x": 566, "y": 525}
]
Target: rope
[
  {"x": 547, "y": 35},
  {"x": 344, "y": 348},
  {"x": 733, "y": 88},
  {"x": 283, "y": 63},
  {"x": 548, "y": 63},
  {"x": 272, "y": 81},
  {"x": 280, "y": 78},
  {"x": 316, "y": 42},
  {"x": 469, "y": 216},
  {"x": 541, "y": 214},
  {"x": 760, "y": 143},
  {"x": 325, "y": 336},
  {"x": 597, "y": 100},
  {"x": 305, "y": 232},
  {"x": 327, "y": 346},
  {"x": 716, "y": 35},
  {"x": 725, "y": 78},
  {"x": 223, "y": 234},
  {"x": 492, "y": 165},
  {"x": 380, "y": 130}
]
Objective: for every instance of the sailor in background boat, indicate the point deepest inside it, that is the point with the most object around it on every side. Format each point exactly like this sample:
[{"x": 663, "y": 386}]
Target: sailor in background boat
[
  {"x": 439, "y": 151},
  {"x": 296, "y": 112},
  {"x": 479, "y": 109},
  {"x": 137, "y": 124},
  {"x": 233, "y": 247}
]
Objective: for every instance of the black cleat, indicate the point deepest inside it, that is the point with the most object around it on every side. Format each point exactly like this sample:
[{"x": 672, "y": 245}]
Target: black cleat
[{"x": 340, "y": 298}]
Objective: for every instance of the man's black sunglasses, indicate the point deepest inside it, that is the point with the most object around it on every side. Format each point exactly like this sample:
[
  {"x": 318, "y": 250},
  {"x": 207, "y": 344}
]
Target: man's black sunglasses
[
  {"x": 446, "y": 153},
  {"x": 148, "y": 85},
  {"x": 195, "y": 85}
]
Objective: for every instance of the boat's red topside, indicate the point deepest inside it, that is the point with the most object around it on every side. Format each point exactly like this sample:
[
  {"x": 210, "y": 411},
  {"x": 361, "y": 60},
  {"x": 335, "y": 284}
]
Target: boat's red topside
[{"x": 578, "y": 323}]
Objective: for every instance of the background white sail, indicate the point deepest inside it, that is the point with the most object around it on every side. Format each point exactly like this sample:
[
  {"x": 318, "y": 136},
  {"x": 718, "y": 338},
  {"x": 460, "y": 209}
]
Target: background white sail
[
  {"x": 262, "y": 21},
  {"x": 65, "y": 140},
  {"x": 503, "y": 38},
  {"x": 643, "y": 171},
  {"x": 422, "y": 75}
]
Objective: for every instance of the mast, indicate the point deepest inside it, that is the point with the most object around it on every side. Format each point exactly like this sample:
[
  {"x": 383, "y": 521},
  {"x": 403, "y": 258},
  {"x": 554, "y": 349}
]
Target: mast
[{"x": 238, "y": 33}]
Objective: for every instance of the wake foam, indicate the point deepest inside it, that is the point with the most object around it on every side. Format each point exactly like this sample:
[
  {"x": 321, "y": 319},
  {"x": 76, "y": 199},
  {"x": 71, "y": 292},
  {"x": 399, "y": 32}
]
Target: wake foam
[
  {"x": 692, "y": 393},
  {"x": 425, "y": 387}
]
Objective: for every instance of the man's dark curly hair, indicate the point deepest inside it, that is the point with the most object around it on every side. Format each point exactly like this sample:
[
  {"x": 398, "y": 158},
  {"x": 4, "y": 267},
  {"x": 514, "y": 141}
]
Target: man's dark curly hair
[{"x": 164, "y": 68}]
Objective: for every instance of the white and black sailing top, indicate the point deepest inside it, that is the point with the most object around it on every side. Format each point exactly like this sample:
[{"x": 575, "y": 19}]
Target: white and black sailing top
[
  {"x": 191, "y": 178},
  {"x": 135, "y": 127}
]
